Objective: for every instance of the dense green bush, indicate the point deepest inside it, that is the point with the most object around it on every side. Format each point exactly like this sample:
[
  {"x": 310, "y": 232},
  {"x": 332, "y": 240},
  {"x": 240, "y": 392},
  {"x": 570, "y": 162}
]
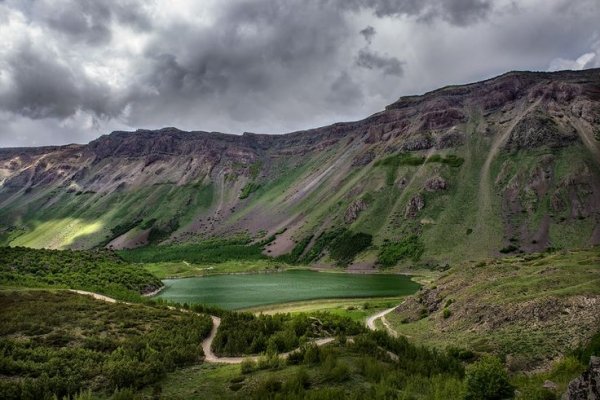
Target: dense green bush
[
  {"x": 410, "y": 159},
  {"x": 409, "y": 248},
  {"x": 332, "y": 372},
  {"x": 343, "y": 245},
  {"x": 245, "y": 333},
  {"x": 210, "y": 251},
  {"x": 347, "y": 245},
  {"x": 99, "y": 271},
  {"x": 321, "y": 243},
  {"x": 296, "y": 253},
  {"x": 248, "y": 189},
  {"x": 392, "y": 162},
  {"x": 487, "y": 379},
  {"x": 62, "y": 343}
]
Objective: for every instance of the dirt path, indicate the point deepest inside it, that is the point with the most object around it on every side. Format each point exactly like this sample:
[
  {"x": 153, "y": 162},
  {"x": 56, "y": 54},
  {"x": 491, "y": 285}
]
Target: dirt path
[
  {"x": 371, "y": 320},
  {"x": 209, "y": 355},
  {"x": 96, "y": 296}
]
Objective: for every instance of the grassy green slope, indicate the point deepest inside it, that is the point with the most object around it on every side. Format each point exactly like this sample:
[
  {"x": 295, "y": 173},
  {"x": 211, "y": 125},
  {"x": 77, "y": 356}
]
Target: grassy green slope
[{"x": 528, "y": 309}]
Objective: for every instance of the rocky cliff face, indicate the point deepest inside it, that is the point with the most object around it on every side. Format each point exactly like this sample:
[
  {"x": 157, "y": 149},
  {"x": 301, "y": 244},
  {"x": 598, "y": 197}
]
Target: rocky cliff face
[
  {"x": 587, "y": 386},
  {"x": 527, "y": 175}
]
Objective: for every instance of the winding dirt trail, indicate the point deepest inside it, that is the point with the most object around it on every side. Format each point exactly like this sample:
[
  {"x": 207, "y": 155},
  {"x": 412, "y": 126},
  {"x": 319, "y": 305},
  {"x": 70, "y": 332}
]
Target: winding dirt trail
[
  {"x": 371, "y": 321},
  {"x": 96, "y": 296},
  {"x": 209, "y": 355}
]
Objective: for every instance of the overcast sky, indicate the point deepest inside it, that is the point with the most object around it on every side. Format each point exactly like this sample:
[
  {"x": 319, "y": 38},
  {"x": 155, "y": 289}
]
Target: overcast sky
[{"x": 72, "y": 70}]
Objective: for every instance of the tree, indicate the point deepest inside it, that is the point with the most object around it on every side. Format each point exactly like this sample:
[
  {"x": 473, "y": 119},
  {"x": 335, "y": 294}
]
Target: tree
[{"x": 487, "y": 379}]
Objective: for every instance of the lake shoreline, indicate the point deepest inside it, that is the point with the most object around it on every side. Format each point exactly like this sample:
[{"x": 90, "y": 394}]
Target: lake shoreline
[
  {"x": 240, "y": 291},
  {"x": 334, "y": 270}
]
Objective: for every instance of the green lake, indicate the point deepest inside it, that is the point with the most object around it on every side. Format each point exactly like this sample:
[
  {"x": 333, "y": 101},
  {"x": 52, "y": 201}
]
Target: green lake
[{"x": 242, "y": 291}]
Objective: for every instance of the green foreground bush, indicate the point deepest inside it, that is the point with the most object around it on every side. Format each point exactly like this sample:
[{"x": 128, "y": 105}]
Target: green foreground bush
[
  {"x": 62, "y": 344},
  {"x": 98, "y": 271},
  {"x": 487, "y": 379}
]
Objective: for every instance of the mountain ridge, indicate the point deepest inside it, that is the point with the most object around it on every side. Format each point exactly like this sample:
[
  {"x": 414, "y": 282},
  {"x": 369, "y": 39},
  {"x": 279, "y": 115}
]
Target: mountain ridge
[{"x": 536, "y": 136}]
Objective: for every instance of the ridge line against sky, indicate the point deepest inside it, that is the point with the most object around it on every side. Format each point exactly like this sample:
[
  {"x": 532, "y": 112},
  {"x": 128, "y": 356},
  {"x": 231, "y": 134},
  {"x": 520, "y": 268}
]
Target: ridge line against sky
[{"x": 72, "y": 70}]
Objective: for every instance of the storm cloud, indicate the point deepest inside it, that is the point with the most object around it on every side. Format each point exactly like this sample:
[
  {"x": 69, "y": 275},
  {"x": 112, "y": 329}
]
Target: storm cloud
[{"x": 71, "y": 70}]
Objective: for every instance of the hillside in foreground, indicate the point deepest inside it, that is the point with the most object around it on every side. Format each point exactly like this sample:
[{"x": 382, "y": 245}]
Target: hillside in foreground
[
  {"x": 531, "y": 310},
  {"x": 507, "y": 165},
  {"x": 525, "y": 325}
]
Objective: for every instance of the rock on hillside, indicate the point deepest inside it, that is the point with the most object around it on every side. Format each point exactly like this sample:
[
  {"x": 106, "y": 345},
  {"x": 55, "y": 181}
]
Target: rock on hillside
[
  {"x": 587, "y": 386},
  {"x": 530, "y": 310}
]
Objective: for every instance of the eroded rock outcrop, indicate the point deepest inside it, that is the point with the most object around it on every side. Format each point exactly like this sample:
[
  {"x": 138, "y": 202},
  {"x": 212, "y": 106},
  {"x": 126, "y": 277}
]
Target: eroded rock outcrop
[
  {"x": 436, "y": 184},
  {"x": 354, "y": 210},
  {"x": 586, "y": 386},
  {"x": 537, "y": 129},
  {"x": 415, "y": 204}
]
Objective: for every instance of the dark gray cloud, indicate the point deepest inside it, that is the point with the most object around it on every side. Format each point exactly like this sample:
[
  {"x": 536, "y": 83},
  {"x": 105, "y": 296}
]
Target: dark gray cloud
[
  {"x": 457, "y": 12},
  {"x": 371, "y": 60},
  {"x": 89, "y": 20},
  {"x": 368, "y": 33},
  {"x": 73, "y": 69},
  {"x": 44, "y": 86}
]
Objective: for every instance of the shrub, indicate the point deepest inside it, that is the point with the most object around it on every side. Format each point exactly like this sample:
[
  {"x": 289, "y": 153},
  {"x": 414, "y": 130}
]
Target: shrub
[
  {"x": 487, "y": 379},
  {"x": 247, "y": 366},
  {"x": 509, "y": 249},
  {"x": 98, "y": 271},
  {"x": 346, "y": 246},
  {"x": 236, "y": 386},
  {"x": 208, "y": 251},
  {"x": 453, "y": 161},
  {"x": 446, "y": 313},
  {"x": 297, "y": 251},
  {"x": 248, "y": 189},
  {"x": 391, "y": 253}
]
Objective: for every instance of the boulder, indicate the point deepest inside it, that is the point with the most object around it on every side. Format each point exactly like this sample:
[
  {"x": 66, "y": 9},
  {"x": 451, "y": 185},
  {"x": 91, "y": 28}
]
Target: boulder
[
  {"x": 436, "y": 184},
  {"x": 587, "y": 385},
  {"x": 354, "y": 210},
  {"x": 416, "y": 204}
]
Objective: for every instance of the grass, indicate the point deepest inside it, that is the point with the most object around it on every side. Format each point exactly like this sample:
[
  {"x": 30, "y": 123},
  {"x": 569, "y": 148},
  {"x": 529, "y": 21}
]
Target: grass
[
  {"x": 58, "y": 233},
  {"x": 54, "y": 219},
  {"x": 205, "y": 381},
  {"x": 355, "y": 309},
  {"x": 513, "y": 307},
  {"x": 183, "y": 269},
  {"x": 210, "y": 251}
]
